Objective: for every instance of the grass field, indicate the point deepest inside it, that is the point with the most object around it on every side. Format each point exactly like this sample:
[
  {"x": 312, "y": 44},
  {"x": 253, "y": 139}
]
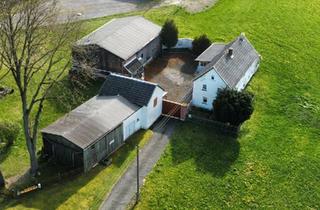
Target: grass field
[{"x": 275, "y": 162}]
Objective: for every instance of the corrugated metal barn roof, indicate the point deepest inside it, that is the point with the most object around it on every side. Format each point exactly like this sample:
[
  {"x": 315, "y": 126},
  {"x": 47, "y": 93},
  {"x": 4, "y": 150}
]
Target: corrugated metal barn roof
[
  {"x": 123, "y": 37},
  {"x": 96, "y": 117},
  {"x": 232, "y": 68}
]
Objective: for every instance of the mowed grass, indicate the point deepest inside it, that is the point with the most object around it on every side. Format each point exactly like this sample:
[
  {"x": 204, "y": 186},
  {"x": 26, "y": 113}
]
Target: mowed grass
[
  {"x": 275, "y": 162},
  {"x": 85, "y": 191}
]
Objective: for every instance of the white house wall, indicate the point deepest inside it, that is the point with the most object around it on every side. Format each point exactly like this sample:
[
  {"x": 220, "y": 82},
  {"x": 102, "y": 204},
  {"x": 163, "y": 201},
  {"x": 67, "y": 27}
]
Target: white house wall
[
  {"x": 213, "y": 85},
  {"x": 153, "y": 113},
  {"x": 247, "y": 77},
  {"x": 133, "y": 123}
]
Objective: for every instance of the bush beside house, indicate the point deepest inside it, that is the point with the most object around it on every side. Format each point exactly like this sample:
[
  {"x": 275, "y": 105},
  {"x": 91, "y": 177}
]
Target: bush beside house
[
  {"x": 200, "y": 44},
  {"x": 169, "y": 34},
  {"x": 234, "y": 107}
]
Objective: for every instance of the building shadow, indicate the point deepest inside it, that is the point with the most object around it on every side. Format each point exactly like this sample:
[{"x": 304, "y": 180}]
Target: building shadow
[{"x": 212, "y": 152}]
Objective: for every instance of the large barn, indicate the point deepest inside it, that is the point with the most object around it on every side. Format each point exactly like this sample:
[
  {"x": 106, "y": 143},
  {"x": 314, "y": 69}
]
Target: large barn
[
  {"x": 122, "y": 45},
  {"x": 97, "y": 128}
]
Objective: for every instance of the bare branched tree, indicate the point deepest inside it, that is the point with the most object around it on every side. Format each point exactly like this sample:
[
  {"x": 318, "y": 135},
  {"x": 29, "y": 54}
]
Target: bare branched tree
[{"x": 32, "y": 46}]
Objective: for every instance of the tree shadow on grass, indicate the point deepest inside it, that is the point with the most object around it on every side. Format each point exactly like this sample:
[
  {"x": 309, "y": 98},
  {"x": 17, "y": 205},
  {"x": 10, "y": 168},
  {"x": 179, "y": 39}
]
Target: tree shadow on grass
[{"x": 212, "y": 152}]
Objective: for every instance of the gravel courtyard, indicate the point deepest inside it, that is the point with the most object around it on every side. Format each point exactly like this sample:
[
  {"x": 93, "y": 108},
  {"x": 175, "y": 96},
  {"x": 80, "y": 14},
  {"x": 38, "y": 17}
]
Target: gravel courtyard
[{"x": 174, "y": 72}]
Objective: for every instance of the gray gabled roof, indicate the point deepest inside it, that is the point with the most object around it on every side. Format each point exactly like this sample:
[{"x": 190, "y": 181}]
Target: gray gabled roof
[
  {"x": 123, "y": 37},
  {"x": 136, "y": 91},
  {"x": 91, "y": 120},
  {"x": 232, "y": 69},
  {"x": 212, "y": 51}
]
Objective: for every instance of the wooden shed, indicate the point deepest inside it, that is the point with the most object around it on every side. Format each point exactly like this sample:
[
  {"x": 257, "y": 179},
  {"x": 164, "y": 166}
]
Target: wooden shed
[{"x": 90, "y": 133}]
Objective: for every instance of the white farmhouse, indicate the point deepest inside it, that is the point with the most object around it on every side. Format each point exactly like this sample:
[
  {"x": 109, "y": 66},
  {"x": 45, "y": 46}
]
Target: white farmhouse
[{"x": 224, "y": 65}]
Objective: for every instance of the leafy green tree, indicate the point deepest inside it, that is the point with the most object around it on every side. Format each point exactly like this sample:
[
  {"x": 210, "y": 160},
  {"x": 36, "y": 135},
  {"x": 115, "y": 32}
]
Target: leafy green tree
[
  {"x": 232, "y": 106},
  {"x": 200, "y": 44},
  {"x": 169, "y": 34}
]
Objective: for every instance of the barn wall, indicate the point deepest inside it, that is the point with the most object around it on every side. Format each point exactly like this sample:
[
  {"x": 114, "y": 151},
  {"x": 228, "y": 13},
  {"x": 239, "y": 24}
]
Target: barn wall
[
  {"x": 132, "y": 123},
  {"x": 249, "y": 74},
  {"x": 150, "y": 51},
  {"x": 103, "y": 148},
  {"x": 62, "y": 150},
  {"x": 154, "y": 112},
  {"x": 112, "y": 62},
  {"x": 213, "y": 82}
]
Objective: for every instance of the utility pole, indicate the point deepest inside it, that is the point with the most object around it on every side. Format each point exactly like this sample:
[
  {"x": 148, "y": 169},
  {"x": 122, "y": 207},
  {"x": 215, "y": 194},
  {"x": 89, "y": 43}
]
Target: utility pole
[{"x": 138, "y": 189}]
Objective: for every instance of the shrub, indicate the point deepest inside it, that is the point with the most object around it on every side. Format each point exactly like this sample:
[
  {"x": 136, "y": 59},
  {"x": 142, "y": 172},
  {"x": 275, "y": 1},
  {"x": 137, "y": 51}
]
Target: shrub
[
  {"x": 200, "y": 44},
  {"x": 232, "y": 106},
  {"x": 169, "y": 34},
  {"x": 8, "y": 134}
]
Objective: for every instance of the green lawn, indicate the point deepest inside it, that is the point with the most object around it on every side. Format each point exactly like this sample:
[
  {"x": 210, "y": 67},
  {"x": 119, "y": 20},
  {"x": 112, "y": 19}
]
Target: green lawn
[{"x": 275, "y": 162}]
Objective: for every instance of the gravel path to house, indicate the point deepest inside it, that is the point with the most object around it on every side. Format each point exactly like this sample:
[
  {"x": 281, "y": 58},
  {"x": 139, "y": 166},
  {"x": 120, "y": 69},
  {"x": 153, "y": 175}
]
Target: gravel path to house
[{"x": 125, "y": 189}]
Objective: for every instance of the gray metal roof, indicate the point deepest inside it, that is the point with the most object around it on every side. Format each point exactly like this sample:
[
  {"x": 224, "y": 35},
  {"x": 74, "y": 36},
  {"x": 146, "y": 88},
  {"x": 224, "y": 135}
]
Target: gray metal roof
[
  {"x": 123, "y": 37},
  {"x": 91, "y": 120},
  {"x": 212, "y": 51},
  {"x": 232, "y": 69},
  {"x": 138, "y": 92}
]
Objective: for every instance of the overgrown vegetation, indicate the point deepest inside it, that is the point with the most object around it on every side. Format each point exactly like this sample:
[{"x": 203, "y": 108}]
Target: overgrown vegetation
[
  {"x": 9, "y": 132},
  {"x": 200, "y": 44},
  {"x": 232, "y": 106},
  {"x": 169, "y": 34}
]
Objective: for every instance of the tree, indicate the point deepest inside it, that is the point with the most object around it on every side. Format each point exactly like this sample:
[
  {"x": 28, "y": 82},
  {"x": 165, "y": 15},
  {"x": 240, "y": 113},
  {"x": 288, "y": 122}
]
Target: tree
[
  {"x": 200, "y": 44},
  {"x": 31, "y": 51},
  {"x": 169, "y": 34},
  {"x": 233, "y": 107}
]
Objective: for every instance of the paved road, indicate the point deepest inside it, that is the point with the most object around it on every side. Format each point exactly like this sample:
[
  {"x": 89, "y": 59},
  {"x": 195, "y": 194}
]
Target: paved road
[
  {"x": 125, "y": 190},
  {"x": 98, "y": 8}
]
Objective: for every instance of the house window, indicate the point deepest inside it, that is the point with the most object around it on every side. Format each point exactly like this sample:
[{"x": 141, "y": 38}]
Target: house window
[
  {"x": 138, "y": 120},
  {"x": 141, "y": 56},
  {"x": 204, "y": 87},
  {"x": 155, "y": 102},
  {"x": 204, "y": 100},
  {"x": 212, "y": 77}
]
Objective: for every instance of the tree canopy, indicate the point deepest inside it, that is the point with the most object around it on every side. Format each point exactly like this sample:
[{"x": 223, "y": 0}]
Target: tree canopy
[
  {"x": 200, "y": 44},
  {"x": 169, "y": 34},
  {"x": 234, "y": 107}
]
